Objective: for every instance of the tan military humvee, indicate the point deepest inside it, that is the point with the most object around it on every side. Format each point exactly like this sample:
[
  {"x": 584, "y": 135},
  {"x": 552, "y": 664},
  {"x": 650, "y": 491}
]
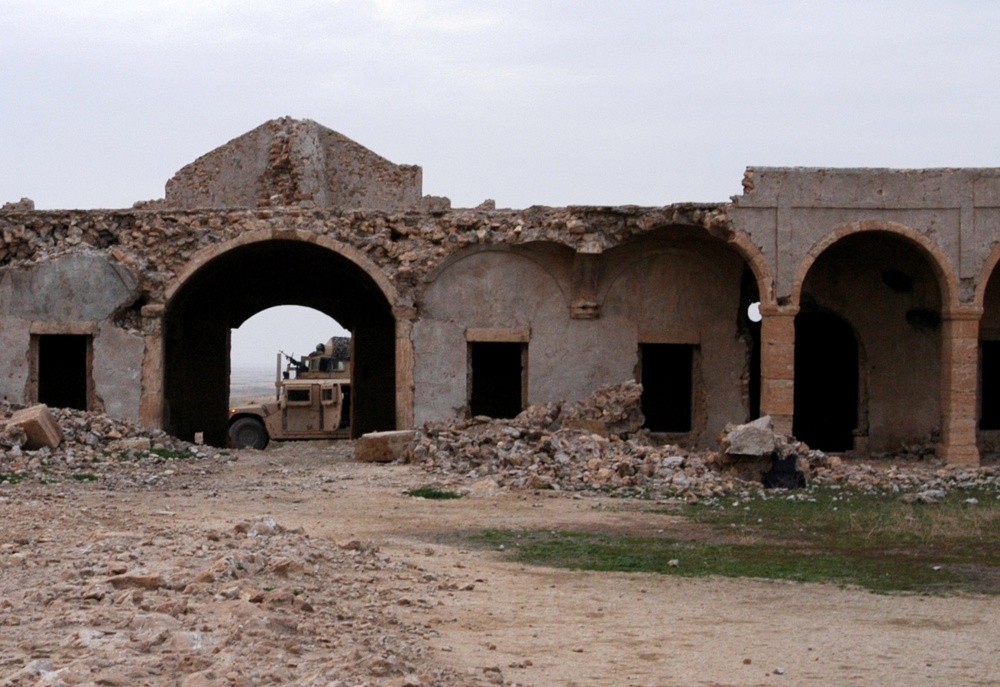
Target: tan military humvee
[{"x": 313, "y": 401}]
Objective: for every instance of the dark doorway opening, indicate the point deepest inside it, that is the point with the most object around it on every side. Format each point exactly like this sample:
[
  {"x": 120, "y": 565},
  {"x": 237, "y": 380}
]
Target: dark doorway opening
[
  {"x": 667, "y": 386},
  {"x": 826, "y": 382},
  {"x": 63, "y": 370},
  {"x": 496, "y": 384},
  {"x": 989, "y": 417}
]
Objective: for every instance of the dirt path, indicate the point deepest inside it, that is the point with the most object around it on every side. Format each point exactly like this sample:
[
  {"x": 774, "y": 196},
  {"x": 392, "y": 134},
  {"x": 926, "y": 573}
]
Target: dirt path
[{"x": 446, "y": 614}]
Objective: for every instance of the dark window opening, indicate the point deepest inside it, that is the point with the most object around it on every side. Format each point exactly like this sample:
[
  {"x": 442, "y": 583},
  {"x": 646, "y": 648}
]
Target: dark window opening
[
  {"x": 989, "y": 417},
  {"x": 497, "y": 378},
  {"x": 826, "y": 382},
  {"x": 63, "y": 370},
  {"x": 298, "y": 396},
  {"x": 667, "y": 386}
]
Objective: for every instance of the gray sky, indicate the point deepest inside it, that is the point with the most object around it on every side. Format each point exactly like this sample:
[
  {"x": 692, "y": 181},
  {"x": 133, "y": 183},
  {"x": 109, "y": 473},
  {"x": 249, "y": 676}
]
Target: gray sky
[{"x": 551, "y": 102}]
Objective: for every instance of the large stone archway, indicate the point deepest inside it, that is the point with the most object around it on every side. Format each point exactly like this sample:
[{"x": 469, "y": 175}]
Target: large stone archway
[
  {"x": 892, "y": 293},
  {"x": 229, "y": 283}
]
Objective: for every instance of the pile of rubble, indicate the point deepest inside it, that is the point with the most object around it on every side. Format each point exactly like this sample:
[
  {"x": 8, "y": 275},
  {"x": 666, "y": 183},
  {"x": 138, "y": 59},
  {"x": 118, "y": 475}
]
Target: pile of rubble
[
  {"x": 597, "y": 446},
  {"x": 62, "y": 443},
  {"x": 91, "y": 598}
]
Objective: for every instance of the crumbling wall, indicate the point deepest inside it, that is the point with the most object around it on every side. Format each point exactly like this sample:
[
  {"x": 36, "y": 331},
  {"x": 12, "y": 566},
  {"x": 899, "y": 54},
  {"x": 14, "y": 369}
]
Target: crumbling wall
[
  {"x": 294, "y": 162},
  {"x": 787, "y": 211},
  {"x": 76, "y": 294}
]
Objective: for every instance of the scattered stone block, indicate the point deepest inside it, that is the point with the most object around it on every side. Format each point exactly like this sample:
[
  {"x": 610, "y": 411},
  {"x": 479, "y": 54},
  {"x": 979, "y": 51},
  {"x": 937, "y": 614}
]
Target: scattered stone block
[
  {"x": 39, "y": 426},
  {"x": 751, "y": 439},
  {"x": 383, "y": 447}
]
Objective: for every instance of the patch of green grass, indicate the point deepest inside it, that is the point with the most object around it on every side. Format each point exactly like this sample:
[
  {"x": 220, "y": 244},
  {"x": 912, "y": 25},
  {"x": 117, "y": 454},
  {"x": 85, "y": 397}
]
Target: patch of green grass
[
  {"x": 170, "y": 454},
  {"x": 432, "y": 493},
  {"x": 84, "y": 477},
  {"x": 872, "y": 541},
  {"x": 10, "y": 478}
]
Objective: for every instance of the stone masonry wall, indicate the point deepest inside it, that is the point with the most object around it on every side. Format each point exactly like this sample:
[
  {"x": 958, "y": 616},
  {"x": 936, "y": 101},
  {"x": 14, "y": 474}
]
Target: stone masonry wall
[
  {"x": 287, "y": 162},
  {"x": 406, "y": 247}
]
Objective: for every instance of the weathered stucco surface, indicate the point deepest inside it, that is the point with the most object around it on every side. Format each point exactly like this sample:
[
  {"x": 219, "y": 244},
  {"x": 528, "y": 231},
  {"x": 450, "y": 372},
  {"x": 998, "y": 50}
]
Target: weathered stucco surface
[
  {"x": 292, "y": 162},
  {"x": 582, "y": 287}
]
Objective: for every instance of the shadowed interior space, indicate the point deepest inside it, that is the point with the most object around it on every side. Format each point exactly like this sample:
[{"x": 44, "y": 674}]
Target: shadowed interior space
[
  {"x": 667, "y": 386},
  {"x": 496, "y": 378},
  {"x": 63, "y": 370},
  {"x": 233, "y": 287}
]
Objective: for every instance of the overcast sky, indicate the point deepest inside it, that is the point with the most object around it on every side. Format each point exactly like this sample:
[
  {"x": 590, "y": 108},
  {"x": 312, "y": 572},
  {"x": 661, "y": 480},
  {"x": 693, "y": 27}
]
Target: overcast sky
[{"x": 551, "y": 102}]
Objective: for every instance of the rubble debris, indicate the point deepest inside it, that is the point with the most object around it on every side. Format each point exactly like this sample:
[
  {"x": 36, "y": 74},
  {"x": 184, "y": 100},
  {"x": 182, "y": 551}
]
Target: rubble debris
[
  {"x": 553, "y": 446},
  {"x": 92, "y": 446},
  {"x": 192, "y": 604},
  {"x": 595, "y": 446},
  {"x": 23, "y": 205}
]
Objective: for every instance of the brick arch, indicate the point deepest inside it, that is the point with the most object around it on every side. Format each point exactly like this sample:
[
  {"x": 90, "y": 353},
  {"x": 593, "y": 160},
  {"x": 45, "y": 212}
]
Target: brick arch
[
  {"x": 755, "y": 259},
  {"x": 938, "y": 261},
  {"x": 984, "y": 276},
  {"x": 207, "y": 254},
  {"x": 222, "y": 285}
]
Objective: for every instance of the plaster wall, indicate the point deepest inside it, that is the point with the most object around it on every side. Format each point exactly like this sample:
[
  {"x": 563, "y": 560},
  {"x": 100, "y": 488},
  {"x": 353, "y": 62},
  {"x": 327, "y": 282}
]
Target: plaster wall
[
  {"x": 69, "y": 288},
  {"x": 689, "y": 293},
  {"x": 15, "y": 342},
  {"x": 500, "y": 290},
  {"x": 117, "y": 371},
  {"x": 685, "y": 293},
  {"x": 72, "y": 294}
]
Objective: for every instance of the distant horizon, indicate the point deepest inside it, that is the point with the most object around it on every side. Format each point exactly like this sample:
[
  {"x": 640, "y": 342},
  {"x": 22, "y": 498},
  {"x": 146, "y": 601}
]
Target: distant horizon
[{"x": 256, "y": 342}]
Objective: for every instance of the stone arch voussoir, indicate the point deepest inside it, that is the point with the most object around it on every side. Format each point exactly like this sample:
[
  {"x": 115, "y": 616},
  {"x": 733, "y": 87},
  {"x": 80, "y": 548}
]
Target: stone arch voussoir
[
  {"x": 209, "y": 253},
  {"x": 984, "y": 276},
  {"x": 938, "y": 261},
  {"x": 753, "y": 257}
]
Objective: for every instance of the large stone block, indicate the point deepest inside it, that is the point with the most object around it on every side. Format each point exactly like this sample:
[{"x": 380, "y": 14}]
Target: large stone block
[
  {"x": 752, "y": 439},
  {"x": 382, "y": 447},
  {"x": 39, "y": 426}
]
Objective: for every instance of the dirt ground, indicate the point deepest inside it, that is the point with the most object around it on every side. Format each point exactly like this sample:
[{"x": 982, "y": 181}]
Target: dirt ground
[{"x": 298, "y": 565}]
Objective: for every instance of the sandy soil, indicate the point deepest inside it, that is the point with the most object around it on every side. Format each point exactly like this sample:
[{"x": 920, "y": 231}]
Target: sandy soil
[{"x": 164, "y": 585}]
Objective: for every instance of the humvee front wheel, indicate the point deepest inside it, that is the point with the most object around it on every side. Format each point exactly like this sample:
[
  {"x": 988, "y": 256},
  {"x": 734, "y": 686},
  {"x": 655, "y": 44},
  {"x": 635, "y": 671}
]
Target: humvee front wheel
[{"x": 248, "y": 432}]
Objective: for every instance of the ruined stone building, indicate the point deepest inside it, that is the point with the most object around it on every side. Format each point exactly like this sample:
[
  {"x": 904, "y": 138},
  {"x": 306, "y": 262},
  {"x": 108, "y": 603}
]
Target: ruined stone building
[{"x": 881, "y": 313}]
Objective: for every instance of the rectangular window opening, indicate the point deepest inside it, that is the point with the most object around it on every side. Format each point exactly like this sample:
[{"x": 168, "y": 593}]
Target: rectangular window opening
[
  {"x": 63, "y": 370},
  {"x": 667, "y": 386},
  {"x": 989, "y": 417},
  {"x": 299, "y": 397},
  {"x": 497, "y": 378}
]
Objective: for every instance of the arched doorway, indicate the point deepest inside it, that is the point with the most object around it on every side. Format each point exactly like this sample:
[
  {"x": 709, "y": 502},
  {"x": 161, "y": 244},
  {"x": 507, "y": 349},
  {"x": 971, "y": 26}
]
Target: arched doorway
[
  {"x": 235, "y": 285},
  {"x": 826, "y": 381},
  {"x": 872, "y": 300}
]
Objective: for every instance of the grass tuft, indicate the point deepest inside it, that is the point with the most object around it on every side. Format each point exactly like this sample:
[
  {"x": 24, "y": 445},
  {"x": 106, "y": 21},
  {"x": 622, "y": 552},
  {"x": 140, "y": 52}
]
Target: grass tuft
[{"x": 433, "y": 493}]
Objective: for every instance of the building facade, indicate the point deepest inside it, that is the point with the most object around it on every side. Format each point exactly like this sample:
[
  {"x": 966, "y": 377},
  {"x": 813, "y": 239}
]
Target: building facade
[{"x": 880, "y": 319}]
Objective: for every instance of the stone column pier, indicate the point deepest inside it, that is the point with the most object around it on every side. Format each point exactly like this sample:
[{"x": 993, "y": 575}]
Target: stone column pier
[
  {"x": 777, "y": 365},
  {"x": 959, "y": 380}
]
